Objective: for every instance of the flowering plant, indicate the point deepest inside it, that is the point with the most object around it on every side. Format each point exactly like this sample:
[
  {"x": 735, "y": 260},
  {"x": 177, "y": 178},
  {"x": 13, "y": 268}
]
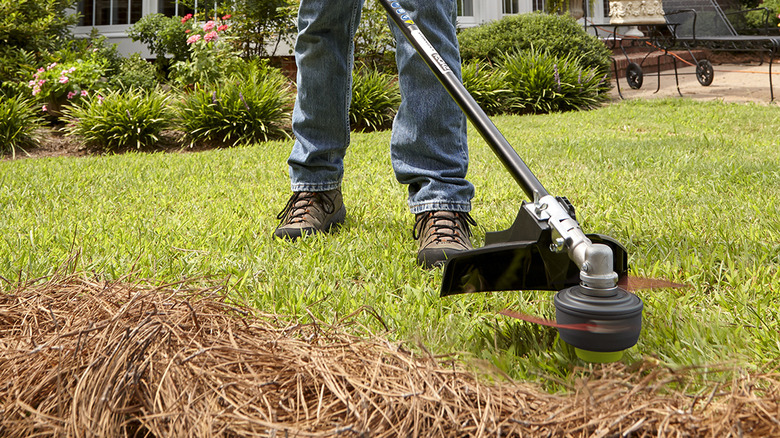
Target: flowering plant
[
  {"x": 57, "y": 83},
  {"x": 212, "y": 56}
]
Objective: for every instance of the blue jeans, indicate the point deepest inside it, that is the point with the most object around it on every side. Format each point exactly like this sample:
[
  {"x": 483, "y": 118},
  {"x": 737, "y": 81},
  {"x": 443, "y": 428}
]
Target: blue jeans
[{"x": 428, "y": 145}]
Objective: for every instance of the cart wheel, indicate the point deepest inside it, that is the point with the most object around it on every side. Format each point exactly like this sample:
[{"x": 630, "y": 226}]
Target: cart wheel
[
  {"x": 704, "y": 72},
  {"x": 634, "y": 75}
]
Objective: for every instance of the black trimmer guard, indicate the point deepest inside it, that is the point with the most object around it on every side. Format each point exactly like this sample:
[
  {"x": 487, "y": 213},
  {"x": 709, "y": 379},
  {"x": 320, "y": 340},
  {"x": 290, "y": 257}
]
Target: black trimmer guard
[{"x": 521, "y": 258}]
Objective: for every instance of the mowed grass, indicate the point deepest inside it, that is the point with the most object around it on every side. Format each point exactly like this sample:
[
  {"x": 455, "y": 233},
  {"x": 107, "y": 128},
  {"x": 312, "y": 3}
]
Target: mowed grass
[{"x": 692, "y": 189}]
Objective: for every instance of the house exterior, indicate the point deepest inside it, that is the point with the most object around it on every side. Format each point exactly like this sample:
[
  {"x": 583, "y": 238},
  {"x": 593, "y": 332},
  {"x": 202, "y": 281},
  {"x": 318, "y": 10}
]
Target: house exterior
[{"x": 112, "y": 18}]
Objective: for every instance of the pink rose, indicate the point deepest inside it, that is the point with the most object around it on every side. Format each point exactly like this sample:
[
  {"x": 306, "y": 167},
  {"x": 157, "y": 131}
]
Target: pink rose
[
  {"x": 208, "y": 26},
  {"x": 211, "y": 36},
  {"x": 193, "y": 39}
]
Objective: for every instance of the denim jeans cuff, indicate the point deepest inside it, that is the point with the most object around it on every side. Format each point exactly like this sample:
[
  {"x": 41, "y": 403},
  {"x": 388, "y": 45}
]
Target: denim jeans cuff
[
  {"x": 319, "y": 187},
  {"x": 439, "y": 206}
]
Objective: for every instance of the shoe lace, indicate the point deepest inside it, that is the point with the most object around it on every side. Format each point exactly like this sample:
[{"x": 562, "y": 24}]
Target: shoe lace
[
  {"x": 443, "y": 228},
  {"x": 301, "y": 203}
]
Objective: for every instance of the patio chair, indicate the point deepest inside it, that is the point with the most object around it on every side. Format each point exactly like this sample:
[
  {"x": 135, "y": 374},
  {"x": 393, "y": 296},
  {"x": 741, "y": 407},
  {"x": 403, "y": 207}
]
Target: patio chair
[{"x": 703, "y": 24}]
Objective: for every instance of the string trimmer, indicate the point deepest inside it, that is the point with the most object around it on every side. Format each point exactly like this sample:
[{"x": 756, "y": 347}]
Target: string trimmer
[{"x": 544, "y": 249}]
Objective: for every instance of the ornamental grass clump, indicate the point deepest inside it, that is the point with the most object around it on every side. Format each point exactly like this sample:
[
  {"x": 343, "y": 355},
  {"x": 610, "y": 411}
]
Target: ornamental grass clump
[
  {"x": 487, "y": 86},
  {"x": 375, "y": 100},
  {"x": 542, "y": 82},
  {"x": 116, "y": 121},
  {"x": 18, "y": 122},
  {"x": 248, "y": 108}
]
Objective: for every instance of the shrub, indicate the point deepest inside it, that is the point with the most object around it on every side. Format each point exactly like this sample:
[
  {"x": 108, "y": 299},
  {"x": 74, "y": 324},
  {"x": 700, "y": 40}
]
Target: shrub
[
  {"x": 758, "y": 19},
  {"x": 36, "y": 27},
  {"x": 212, "y": 56},
  {"x": 57, "y": 85},
  {"x": 487, "y": 86},
  {"x": 18, "y": 122},
  {"x": 262, "y": 24},
  {"x": 245, "y": 109},
  {"x": 374, "y": 42},
  {"x": 163, "y": 36},
  {"x": 119, "y": 120},
  {"x": 542, "y": 82},
  {"x": 560, "y": 34},
  {"x": 375, "y": 100},
  {"x": 134, "y": 73}
]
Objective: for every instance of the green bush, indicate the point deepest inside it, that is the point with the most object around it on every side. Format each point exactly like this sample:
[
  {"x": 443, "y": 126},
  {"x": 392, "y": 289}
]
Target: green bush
[
  {"x": 119, "y": 120},
  {"x": 542, "y": 82},
  {"x": 18, "y": 122},
  {"x": 245, "y": 109},
  {"x": 165, "y": 38},
  {"x": 756, "y": 19},
  {"x": 375, "y": 100},
  {"x": 134, "y": 73},
  {"x": 488, "y": 86},
  {"x": 36, "y": 27},
  {"x": 560, "y": 34},
  {"x": 60, "y": 84},
  {"x": 374, "y": 42},
  {"x": 212, "y": 55}
]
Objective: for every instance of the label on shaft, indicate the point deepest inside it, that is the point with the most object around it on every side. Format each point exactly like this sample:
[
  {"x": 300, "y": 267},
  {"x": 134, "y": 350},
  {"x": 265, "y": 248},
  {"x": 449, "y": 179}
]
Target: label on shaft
[{"x": 427, "y": 47}]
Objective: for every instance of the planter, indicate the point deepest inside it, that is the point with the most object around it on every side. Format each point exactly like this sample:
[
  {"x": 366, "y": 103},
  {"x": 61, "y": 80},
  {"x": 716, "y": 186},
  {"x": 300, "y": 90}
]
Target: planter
[{"x": 636, "y": 12}]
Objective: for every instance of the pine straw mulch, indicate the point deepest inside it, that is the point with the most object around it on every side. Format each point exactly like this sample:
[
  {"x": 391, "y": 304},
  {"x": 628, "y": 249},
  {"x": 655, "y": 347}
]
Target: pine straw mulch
[{"x": 80, "y": 358}]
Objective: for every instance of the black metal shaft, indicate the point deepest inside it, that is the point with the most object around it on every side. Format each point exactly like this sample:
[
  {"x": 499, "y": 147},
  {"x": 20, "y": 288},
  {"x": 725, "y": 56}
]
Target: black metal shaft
[{"x": 501, "y": 147}]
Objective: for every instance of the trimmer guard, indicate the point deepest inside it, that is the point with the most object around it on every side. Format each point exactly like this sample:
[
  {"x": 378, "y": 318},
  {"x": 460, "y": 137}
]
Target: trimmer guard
[{"x": 522, "y": 257}]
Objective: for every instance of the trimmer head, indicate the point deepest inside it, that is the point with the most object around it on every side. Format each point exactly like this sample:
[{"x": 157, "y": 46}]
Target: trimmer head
[{"x": 614, "y": 314}]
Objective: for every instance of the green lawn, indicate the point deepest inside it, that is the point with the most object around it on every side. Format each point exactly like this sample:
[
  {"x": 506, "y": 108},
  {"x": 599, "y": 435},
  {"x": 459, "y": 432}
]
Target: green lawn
[{"x": 692, "y": 189}]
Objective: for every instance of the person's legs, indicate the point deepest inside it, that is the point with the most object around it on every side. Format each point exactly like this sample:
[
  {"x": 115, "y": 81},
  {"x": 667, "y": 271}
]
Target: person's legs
[
  {"x": 324, "y": 55},
  {"x": 429, "y": 148}
]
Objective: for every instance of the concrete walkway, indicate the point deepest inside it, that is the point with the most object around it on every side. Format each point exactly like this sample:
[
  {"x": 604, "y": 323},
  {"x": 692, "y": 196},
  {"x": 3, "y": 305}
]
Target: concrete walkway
[{"x": 731, "y": 83}]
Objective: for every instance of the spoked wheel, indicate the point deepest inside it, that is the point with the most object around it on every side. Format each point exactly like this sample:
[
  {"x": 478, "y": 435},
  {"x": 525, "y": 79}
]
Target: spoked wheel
[
  {"x": 634, "y": 75},
  {"x": 704, "y": 72}
]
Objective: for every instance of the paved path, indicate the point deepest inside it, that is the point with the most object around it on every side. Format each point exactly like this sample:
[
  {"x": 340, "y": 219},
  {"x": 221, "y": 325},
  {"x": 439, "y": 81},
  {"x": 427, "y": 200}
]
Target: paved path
[{"x": 731, "y": 83}]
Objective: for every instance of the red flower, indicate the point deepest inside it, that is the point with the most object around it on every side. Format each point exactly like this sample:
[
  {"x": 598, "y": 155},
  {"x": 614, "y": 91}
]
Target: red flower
[
  {"x": 211, "y": 36},
  {"x": 223, "y": 27},
  {"x": 186, "y": 18},
  {"x": 227, "y": 17}
]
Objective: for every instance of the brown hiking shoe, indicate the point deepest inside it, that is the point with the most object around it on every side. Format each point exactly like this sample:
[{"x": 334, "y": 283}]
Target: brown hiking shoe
[
  {"x": 310, "y": 213},
  {"x": 441, "y": 235}
]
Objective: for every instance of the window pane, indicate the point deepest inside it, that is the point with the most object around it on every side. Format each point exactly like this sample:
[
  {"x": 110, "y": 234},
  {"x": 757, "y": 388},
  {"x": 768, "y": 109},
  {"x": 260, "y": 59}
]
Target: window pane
[
  {"x": 136, "y": 11},
  {"x": 511, "y": 6},
  {"x": 168, "y": 8},
  {"x": 85, "y": 9},
  {"x": 107, "y": 12},
  {"x": 102, "y": 12},
  {"x": 466, "y": 8},
  {"x": 119, "y": 12}
]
